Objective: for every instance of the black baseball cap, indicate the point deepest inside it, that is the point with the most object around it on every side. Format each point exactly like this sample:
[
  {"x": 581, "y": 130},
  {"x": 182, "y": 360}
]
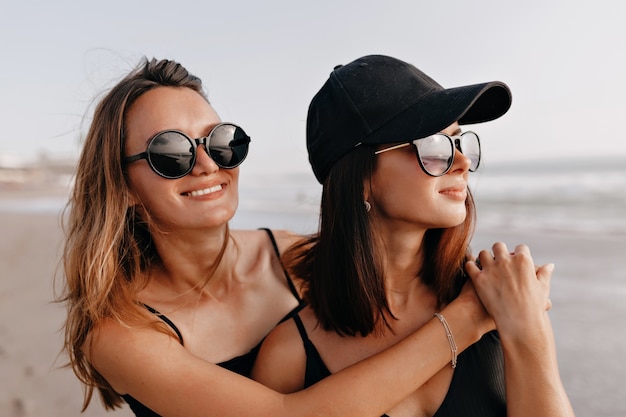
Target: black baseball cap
[{"x": 378, "y": 99}]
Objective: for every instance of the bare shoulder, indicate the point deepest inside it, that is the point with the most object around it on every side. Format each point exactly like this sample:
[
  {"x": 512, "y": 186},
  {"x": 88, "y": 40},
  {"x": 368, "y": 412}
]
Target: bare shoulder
[
  {"x": 258, "y": 256},
  {"x": 281, "y": 362},
  {"x": 115, "y": 364},
  {"x": 283, "y": 338},
  {"x": 286, "y": 238},
  {"x": 260, "y": 238}
]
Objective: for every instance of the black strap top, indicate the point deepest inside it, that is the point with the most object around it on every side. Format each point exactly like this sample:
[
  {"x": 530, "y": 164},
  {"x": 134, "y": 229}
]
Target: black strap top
[
  {"x": 477, "y": 387},
  {"x": 240, "y": 364},
  {"x": 316, "y": 369}
]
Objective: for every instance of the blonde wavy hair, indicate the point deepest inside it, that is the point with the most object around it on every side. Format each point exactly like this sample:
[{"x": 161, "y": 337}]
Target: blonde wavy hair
[{"x": 107, "y": 245}]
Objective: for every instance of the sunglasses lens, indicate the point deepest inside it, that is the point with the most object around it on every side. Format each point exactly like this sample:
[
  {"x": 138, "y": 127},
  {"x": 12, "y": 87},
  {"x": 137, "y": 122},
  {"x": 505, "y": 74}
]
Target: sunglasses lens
[
  {"x": 171, "y": 154},
  {"x": 470, "y": 147},
  {"x": 228, "y": 145},
  {"x": 435, "y": 153}
]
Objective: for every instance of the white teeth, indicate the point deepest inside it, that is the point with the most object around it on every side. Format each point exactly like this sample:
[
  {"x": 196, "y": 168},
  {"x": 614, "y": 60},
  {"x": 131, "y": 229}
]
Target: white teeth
[{"x": 205, "y": 191}]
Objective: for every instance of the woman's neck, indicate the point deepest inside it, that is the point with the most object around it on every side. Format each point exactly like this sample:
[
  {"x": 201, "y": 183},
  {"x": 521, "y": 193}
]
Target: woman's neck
[
  {"x": 188, "y": 262},
  {"x": 402, "y": 263}
]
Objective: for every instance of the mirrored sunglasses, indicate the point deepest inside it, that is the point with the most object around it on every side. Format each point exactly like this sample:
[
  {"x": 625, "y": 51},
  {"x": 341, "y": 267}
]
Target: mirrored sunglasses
[
  {"x": 435, "y": 153},
  {"x": 172, "y": 154}
]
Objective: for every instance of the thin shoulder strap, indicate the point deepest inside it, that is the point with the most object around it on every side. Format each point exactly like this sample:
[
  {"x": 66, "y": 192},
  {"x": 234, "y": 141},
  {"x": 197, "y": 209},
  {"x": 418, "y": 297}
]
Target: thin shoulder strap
[
  {"x": 167, "y": 321},
  {"x": 292, "y": 287},
  {"x": 301, "y": 329}
]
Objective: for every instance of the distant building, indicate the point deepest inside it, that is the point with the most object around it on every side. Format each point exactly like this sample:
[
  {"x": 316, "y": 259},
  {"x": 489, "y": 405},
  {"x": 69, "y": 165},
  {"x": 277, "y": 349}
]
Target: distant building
[{"x": 23, "y": 173}]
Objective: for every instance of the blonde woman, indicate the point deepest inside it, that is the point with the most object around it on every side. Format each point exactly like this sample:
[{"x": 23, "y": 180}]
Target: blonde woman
[{"x": 166, "y": 305}]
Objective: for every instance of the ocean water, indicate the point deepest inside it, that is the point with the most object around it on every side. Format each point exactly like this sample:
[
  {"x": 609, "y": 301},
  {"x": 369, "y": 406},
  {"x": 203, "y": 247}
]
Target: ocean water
[
  {"x": 32, "y": 205},
  {"x": 545, "y": 196},
  {"x": 553, "y": 196},
  {"x": 586, "y": 196}
]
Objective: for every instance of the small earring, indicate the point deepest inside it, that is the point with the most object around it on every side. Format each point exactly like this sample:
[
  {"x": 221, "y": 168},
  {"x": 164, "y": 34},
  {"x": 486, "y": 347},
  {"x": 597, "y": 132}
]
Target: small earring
[{"x": 368, "y": 206}]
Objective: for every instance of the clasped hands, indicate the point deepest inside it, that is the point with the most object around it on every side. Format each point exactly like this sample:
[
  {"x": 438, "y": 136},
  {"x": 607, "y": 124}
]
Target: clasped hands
[{"x": 513, "y": 290}]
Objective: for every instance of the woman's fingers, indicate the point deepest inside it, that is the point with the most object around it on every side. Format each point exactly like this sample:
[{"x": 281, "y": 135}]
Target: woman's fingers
[
  {"x": 508, "y": 282},
  {"x": 500, "y": 250},
  {"x": 544, "y": 275}
]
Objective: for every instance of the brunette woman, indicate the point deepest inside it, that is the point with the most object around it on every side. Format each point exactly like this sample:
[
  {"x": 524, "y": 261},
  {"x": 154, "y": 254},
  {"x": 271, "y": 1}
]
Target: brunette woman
[{"x": 392, "y": 252}]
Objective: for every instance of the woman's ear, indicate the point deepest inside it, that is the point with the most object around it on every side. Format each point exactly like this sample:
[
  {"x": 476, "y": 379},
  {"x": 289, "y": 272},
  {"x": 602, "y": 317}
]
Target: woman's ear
[
  {"x": 366, "y": 193},
  {"x": 366, "y": 189}
]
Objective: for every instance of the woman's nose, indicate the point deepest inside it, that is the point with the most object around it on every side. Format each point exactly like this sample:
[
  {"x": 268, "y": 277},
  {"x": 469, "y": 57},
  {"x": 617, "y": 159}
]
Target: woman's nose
[
  {"x": 204, "y": 163},
  {"x": 461, "y": 162}
]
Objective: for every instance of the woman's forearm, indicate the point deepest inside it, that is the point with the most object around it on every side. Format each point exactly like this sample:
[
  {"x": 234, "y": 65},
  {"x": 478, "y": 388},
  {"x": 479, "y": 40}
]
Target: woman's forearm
[
  {"x": 199, "y": 388},
  {"x": 533, "y": 383},
  {"x": 374, "y": 385}
]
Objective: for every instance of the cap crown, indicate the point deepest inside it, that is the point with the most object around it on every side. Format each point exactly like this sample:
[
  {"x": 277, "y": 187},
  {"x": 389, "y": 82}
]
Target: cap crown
[{"x": 379, "y": 99}]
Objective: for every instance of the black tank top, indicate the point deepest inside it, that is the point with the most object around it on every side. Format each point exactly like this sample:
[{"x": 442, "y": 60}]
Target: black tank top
[
  {"x": 241, "y": 364},
  {"x": 477, "y": 387}
]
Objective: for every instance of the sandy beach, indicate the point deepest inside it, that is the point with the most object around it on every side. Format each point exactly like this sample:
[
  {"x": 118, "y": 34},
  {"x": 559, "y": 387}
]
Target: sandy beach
[{"x": 588, "y": 294}]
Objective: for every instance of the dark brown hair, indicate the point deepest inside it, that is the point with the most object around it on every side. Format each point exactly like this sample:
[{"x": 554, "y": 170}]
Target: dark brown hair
[{"x": 341, "y": 264}]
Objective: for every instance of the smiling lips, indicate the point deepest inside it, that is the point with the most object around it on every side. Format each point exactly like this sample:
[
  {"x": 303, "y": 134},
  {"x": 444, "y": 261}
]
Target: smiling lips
[{"x": 205, "y": 191}]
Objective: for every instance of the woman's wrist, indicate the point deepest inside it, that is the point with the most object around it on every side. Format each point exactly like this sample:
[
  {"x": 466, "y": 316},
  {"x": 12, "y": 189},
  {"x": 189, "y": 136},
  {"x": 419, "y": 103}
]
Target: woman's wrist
[
  {"x": 468, "y": 320},
  {"x": 525, "y": 332}
]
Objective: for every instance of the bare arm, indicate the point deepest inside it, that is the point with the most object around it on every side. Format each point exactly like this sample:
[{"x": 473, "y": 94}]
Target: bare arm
[
  {"x": 148, "y": 364},
  {"x": 515, "y": 294}
]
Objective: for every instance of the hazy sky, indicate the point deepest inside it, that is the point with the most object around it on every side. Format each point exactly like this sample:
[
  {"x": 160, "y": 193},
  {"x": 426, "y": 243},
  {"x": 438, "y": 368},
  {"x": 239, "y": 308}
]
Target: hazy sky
[{"x": 262, "y": 61}]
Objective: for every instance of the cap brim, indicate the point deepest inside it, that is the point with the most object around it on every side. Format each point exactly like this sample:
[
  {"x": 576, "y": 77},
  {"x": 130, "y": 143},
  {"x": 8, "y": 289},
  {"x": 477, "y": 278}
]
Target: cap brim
[{"x": 436, "y": 111}]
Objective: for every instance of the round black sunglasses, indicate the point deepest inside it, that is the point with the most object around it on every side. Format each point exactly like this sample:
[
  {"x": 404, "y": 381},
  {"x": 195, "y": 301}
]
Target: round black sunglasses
[{"x": 172, "y": 154}]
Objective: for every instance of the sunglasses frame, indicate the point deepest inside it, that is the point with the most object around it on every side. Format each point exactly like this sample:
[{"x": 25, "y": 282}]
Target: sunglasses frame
[
  {"x": 455, "y": 143},
  {"x": 195, "y": 143}
]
